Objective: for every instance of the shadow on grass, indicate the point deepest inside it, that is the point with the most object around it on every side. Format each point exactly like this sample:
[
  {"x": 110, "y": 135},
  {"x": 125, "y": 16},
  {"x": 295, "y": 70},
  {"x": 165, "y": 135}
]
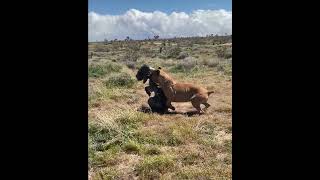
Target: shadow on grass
[{"x": 188, "y": 113}]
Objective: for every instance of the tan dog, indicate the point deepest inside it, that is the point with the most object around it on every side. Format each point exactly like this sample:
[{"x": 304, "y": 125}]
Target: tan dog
[{"x": 180, "y": 92}]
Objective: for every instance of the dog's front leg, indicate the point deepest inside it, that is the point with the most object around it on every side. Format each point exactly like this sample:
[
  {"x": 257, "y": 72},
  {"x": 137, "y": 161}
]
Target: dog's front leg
[
  {"x": 148, "y": 91},
  {"x": 169, "y": 105}
]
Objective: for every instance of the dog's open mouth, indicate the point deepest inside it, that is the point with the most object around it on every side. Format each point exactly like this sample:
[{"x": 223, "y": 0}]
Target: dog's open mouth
[{"x": 145, "y": 80}]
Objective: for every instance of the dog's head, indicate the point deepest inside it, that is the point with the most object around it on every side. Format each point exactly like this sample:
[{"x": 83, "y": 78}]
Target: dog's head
[
  {"x": 144, "y": 73},
  {"x": 155, "y": 74}
]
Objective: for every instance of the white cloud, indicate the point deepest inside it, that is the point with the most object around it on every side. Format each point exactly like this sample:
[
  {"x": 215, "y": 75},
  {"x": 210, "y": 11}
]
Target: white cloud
[{"x": 141, "y": 25}]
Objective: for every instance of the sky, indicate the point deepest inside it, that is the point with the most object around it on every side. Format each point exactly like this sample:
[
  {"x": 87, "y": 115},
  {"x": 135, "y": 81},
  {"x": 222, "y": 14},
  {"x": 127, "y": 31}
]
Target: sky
[{"x": 140, "y": 19}]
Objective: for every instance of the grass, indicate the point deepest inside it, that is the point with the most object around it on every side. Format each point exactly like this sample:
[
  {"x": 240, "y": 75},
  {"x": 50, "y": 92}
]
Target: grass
[
  {"x": 194, "y": 173},
  {"x": 173, "y": 52},
  {"x": 152, "y": 167},
  {"x": 127, "y": 144},
  {"x": 99, "y": 70},
  {"x": 132, "y": 147},
  {"x": 120, "y": 80},
  {"x": 108, "y": 173},
  {"x": 99, "y": 92},
  {"x": 191, "y": 158},
  {"x": 152, "y": 150},
  {"x": 172, "y": 135},
  {"x": 108, "y": 135},
  {"x": 188, "y": 64}
]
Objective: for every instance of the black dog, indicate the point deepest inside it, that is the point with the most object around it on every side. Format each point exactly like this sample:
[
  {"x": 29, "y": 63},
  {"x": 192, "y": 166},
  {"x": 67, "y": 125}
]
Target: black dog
[{"x": 157, "y": 103}]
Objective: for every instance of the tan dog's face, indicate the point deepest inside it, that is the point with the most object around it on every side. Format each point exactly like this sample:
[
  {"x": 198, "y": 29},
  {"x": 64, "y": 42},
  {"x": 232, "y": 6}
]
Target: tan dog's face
[{"x": 155, "y": 75}]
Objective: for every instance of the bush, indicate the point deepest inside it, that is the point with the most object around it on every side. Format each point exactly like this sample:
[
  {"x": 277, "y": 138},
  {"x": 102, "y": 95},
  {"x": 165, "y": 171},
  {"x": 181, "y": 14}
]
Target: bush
[
  {"x": 130, "y": 64},
  {"x": 131, "y": 56},
  {"x": 224, "y": 52},
  {"x": 96, "y": 71},
  {"x": 99, "y": 70},
  {"x": 225, "y": 68},
  {"x": 147, "y": 52},
  {"x": 101, "y": 49},
  {"x": 210, "y": 62},
  {"x": 186, "y": 65},
  {"x": 182, "y": 55},
  {"x": 120, "y": 80},
  {"x": 173, "y": 52}
]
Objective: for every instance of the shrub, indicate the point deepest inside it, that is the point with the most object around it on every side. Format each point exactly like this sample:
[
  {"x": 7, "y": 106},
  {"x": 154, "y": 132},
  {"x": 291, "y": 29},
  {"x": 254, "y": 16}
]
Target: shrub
[
  {"x": 99, "y": 70},
  {"x": 96, "y": 71},
  {"x": 173, "y": 52},
  {"x": 210, "y": 62},
  {"x": 131, "y": 56},
  {"x": 120, "y": 80},
  {"x": 182, "y": 55},
  {"x": 224, "y": 52},
  {"x": 130, "y": 64},
  {"x": 186, "y": 65}
]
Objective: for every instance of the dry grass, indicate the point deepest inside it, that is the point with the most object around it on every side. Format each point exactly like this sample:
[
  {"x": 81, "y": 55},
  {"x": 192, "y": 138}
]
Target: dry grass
[{"x": 127, "y": 144}]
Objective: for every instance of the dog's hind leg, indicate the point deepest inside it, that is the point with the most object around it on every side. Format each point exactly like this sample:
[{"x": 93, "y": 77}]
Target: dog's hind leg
[
  {"x": 169, "y": 105},
  {"x": 197, "y": 100},
  {"x": 207, "y": 105},
  {"x": 196, "y": 105}
]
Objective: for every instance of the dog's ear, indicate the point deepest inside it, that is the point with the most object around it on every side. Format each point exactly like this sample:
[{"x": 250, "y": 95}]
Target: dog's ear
[{"x": 159, "y": 67}]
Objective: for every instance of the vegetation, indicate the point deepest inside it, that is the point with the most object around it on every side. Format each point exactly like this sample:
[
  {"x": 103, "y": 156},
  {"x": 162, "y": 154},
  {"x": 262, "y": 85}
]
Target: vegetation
[{"x": 127, "y": 144}]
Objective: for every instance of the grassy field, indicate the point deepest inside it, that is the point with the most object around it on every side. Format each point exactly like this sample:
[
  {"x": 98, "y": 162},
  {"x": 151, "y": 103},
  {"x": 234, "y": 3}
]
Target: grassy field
[{"x": 127, "y": 144}]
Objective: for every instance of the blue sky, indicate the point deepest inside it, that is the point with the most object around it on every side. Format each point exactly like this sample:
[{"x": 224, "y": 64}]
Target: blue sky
[
  {"x": 141, "y": 19},
  {"x": 116, "y": 7}
]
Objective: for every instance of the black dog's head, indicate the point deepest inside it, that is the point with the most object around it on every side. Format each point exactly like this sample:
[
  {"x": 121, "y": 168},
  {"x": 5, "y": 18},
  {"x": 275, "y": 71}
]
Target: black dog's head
[{"x": 144, "y": 73}]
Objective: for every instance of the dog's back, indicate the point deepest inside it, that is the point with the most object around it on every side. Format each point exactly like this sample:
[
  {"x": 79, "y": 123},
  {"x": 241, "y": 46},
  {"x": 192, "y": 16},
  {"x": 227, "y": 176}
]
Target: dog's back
[
  {"x": 185, "y": 91},
  {"x": 178, "y": 92}
]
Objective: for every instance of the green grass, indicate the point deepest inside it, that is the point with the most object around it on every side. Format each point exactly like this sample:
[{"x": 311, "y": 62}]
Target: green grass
[
  {"x": 99, "y": 70},
  {"x": 104, "y": 158},
  {"x": 228, "y": 145},
  {"x": 152, "y": 167},
  {"x": 107, "y": 138},
  {"x": 132, "y": 147},
  {"x": 173, "y": 135},
  {"x": 123, "y": 80},
  {"x": 108, "y": 173},
  {"x": 194, "y": 173},
  {"x": 152, "y": 150},
  {"x": 168, "y": 138},
  {"x": 190, "y": 158},
  {"x": 126, "y": 144},
  {"x": 172, "y": 52}
]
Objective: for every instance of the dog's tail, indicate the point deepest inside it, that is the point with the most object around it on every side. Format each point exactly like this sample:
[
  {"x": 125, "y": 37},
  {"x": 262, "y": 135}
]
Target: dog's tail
[{"x": 210, "y": 92}]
